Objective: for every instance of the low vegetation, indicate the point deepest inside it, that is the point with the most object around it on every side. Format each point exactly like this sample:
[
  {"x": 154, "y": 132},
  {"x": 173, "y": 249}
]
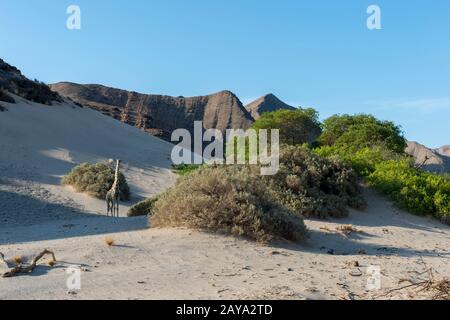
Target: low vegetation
[
  {"x": 319, "y": 182},
  {"x": 313, "y": 186},
  {"x": 184, "y": 169},
  {"x": 375, "y": 150},
  {"x": 417, "y": 191},
  {"x": 142, "y": 208},
  {"x": 230, "y": 200},
  {"x": 238, "y": 200},
  {"x": 96, "y": 180},
  {"x": 363, "y": 160},
  {"x": 5, "y": 97},
  {"x": 12, "y": 81}
]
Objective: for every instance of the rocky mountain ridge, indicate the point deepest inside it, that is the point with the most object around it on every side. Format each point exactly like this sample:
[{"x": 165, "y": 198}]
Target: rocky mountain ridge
[{"x": 159, "y": 114}]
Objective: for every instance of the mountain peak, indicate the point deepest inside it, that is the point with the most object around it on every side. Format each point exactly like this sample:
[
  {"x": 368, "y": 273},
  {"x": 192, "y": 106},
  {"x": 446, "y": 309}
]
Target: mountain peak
[{"x": 266, "y": 103}]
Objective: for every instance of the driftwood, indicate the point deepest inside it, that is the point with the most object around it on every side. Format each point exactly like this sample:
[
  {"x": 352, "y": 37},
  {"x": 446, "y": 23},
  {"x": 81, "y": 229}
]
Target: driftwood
[
  {"x": 21, "y": 268},
  {"x": 439, "y": 289},
  {"x": 2, "y": 259}
]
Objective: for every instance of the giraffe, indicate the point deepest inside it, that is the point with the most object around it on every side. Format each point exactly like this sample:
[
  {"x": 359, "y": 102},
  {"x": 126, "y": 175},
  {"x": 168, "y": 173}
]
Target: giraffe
[{"x": 113, "y": 195}]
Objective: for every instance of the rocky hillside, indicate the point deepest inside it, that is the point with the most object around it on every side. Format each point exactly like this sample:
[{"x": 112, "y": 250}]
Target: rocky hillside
[
  {"x": 13, "y": 82},
  {"x": 159, "y": 114},
  {"x": 267, "y": 103},
  {"x": 444, "y": 150},
  {"x": 435, "y": 160}
]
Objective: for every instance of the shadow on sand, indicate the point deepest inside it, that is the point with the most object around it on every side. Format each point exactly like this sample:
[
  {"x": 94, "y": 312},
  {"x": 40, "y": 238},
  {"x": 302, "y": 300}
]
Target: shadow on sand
[{"x": 49, "y": 221}]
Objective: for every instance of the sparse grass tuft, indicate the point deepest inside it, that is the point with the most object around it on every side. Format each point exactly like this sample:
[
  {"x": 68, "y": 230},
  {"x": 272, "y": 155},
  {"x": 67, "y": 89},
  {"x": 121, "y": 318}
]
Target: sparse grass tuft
[
  {"x": 109, "y": 241},
  {"x": 18, "y": 259}
]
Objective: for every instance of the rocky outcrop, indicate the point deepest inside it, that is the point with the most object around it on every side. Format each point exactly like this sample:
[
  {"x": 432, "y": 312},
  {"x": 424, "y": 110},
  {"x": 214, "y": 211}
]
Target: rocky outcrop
[
  {"x": 434, "y": 160},
  {"x": 5, "y": 97},
  {"x": 13, "y": 82},
  {"x": 267, "y": 103},
  {"x": 444, "y": 150},
  {"x": 159, "y": 114}
]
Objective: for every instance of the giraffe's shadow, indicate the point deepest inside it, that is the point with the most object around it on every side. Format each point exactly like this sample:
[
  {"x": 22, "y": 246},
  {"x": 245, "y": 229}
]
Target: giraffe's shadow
[{"x": 36, "y": 220}]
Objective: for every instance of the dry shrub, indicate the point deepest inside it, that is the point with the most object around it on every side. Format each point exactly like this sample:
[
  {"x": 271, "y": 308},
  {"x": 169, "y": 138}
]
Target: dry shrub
[
  {"x": 313, "y": 186},
  {"x": 109, "y": 241},
  {"x": 5, "y": 97},
  {"x": 230, "y": 200},
  {"x": 237, "y": 200},
  {"x": 18, "y": 259},
  {"x": 96, "y": 180},
  {"x": 142, "y": 208}
]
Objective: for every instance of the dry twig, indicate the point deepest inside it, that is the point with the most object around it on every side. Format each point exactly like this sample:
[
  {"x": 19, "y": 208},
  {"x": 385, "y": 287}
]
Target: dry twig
[
  {"x": 440, "y": 290},
  {"x": 348, "y": 229},
  {"x": 25, "y": 268}
]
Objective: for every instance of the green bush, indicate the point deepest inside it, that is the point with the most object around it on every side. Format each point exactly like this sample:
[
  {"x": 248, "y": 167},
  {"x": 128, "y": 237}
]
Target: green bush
[
  {"x": 296, "y": 126},
  {"x": 446, "y": 176},
  {"x": 184, "y": 169},
  {"x": 96, "y": 180},
  {"x": 417, "y": 191},
  {"x": 313, "y": 186},
  {"x": 230, "y": 200},
  {"x": 142, "y": 208},
  {"x": 357, "y": 132},
  {"x": 363, "y": 161}
]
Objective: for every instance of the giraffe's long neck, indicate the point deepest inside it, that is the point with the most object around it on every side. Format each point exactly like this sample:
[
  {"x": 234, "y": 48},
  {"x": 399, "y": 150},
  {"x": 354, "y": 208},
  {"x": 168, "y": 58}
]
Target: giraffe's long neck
[{"x": 116, "y": 177}]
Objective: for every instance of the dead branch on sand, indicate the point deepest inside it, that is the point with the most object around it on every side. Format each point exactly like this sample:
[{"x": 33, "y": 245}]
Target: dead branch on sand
[
  {"x": 25, "y": 268},
  {"x": 346, "y": 230},
  {"x": 439, "y": 289},
  {"x": 2, "y": 259}
]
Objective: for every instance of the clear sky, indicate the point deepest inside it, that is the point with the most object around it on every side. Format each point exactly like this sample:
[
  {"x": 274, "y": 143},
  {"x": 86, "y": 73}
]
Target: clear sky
[{"x": 310, "y": 53}]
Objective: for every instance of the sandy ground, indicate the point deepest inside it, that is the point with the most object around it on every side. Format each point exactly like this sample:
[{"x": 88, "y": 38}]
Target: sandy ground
[
  {"x": 146, "y": 263},
  {"x": 40, "y": 144},
  {"x": 183, "y": 264}
]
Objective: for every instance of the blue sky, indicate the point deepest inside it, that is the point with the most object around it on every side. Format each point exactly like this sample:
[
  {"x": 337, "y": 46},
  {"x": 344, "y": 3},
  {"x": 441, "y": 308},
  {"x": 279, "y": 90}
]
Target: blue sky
[{"x": 310, "y": 53}]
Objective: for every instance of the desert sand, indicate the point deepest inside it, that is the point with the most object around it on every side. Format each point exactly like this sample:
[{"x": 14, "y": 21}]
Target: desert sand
[
  {"x": 36, "y": 213},
  {"x": 39, "y": 144}
]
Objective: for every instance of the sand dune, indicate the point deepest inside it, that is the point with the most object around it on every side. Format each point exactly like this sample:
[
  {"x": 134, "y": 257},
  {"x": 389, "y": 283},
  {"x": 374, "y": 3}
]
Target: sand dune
[{"x": 39, "y": 144}]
